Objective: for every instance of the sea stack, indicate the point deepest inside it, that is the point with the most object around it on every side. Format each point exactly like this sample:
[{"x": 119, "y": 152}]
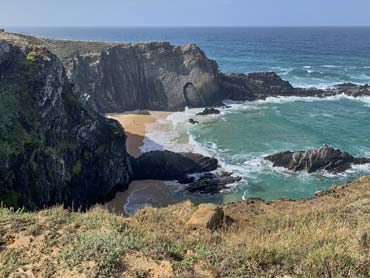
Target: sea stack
[{"x": 324, "y": 158}]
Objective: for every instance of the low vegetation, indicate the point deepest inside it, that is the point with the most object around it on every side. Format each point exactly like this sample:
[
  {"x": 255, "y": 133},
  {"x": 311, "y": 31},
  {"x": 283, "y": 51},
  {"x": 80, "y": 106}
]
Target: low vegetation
[{"x": 327, "y": 236}]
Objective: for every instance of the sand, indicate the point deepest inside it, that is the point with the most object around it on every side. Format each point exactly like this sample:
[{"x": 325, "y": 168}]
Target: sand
[
  {"x": 155, "y": 193},
  {"x": 135, "y": 129}
]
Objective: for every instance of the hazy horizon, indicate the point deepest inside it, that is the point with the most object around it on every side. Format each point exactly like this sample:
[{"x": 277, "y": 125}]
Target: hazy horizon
[
  {"x": 192, "y": 13},
  {"x": 186, "y": 26}
]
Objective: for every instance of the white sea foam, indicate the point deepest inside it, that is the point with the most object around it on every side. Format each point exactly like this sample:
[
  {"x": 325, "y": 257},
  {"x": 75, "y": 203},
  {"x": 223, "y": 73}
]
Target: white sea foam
[{"x": 173, "y": 133}]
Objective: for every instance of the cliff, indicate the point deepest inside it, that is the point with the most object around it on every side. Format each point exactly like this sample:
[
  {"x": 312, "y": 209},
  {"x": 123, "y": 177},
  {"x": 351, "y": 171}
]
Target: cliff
[
  {"x": 119, "y": 77},
  {"x": 54, "y": 145},
  {"x": 53, "y": 149}
]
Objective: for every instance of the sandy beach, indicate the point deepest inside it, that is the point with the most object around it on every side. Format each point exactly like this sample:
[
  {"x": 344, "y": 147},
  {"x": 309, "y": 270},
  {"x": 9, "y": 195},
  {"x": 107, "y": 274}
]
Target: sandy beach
[{"x": 135, "y": 128}]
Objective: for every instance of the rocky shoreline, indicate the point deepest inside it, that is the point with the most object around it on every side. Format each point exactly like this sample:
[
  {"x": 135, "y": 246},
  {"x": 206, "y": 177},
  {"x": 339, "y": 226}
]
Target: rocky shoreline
[
  {"x": 55, "y": 145},
  {"x": 325, "y": 158}
]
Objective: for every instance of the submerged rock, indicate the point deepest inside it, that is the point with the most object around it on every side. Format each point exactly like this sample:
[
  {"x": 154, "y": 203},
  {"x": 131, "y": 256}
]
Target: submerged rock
[
  {"x": 325, "y": 158},
  {"x": 193, "y": 122},
  {"x": 208, "y": 216},
  {"x": 209, "y": 111},
  {"x": 166, "y": 165},
  {"x": 212, "y": 183}
]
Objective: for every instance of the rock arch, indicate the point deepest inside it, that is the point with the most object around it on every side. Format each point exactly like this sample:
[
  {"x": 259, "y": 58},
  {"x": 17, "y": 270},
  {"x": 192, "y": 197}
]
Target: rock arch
[{"x": 192, "y": 96}]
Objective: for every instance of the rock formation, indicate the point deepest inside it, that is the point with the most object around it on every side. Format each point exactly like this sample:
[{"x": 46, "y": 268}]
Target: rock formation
[
  {"x": 55, "y": 147},
  {"x": 325, "y": 158},
  {"x": 118, "y": 77},
  {"x": 193, "y": 122},
  {"x": 210, "y": 183},
  {"x": 166, "y": 165},
  {"x": 53, "y": 150},
  {"x": 209, "y": 111},
  {"x": 208, "y": 216}
]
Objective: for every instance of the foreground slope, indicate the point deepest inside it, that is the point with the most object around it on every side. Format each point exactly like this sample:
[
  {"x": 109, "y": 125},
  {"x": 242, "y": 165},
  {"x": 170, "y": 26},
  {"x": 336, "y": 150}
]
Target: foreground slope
[{"x": 327, "y": 236}]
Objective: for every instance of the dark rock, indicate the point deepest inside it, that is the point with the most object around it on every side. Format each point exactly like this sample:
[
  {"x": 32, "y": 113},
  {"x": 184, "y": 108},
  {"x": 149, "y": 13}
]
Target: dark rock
[
  {"x": 325, "y": 158},
  {"x": 209, "y": 111},
  {"x": 119, "y": 77},
  {"x": 140, "y": 112},
  {"x": 122, "y": 77},
  {"x": 193, "y": 122},
  {"x": 212, "y": 183},
  {"x": 166, "y": 165},
  {"x": 53, "y": 149},
  {"x": 254, "y": 86}
]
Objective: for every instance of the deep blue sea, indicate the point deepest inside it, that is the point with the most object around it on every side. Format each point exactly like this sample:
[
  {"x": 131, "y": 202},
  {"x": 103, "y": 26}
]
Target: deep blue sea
[
  {"x": 243, "y": 134},
  {"x": 304, "y": 56}
]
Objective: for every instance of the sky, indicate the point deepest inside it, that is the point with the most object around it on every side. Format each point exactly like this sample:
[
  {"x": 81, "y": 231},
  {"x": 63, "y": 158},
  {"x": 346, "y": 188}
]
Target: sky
[{"x": 184, "y": 12}]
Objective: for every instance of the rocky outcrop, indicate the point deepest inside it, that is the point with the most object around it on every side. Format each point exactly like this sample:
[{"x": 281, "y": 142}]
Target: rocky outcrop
[
  {"x": 209, "y": 111},
  {"x": 325, "y": 158},
  {"x": 166, "y": 165},
  {"x": 260, "y": 85},
  {"x": 53, "y": 149},
  {"x": 118, "y": 77},
  {"x": 210, "y": 183},
  {"x": 153, "y": 75},
  {"x": 193, "y": 122},
  {"x": 252, "y": 86},
  {"x": 209, "y": 216}
]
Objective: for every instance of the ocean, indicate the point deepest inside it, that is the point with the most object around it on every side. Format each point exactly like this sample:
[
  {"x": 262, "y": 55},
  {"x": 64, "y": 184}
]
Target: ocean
[
  {"x": 305, "y": 56},
  {"x": 242, "y": 135}
]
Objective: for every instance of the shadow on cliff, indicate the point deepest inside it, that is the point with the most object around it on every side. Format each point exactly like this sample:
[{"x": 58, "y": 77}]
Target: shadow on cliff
[{"x": 135, "y": 141}]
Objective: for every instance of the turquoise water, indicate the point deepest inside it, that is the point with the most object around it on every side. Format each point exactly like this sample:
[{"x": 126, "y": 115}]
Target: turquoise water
[{"x": 243, "y": 134}]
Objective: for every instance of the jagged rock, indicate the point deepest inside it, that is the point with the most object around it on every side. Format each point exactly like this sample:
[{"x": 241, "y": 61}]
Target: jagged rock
[
  {"x": 325, "y": 158},
  {"x": 212, "y": 183},
  {"x": 53, "y": 150},
  {"x": 193, "y": 122},
  {"x": 127, "y": 76},
  {"x": 319, "y": 193},
  {"x": 166, "y": 165},
  {"x": 209, "y": 111},
  {"x": 119, "y": 77},
  {"x": 208, "y": 216},
  {"x": 352, "y": 89}
]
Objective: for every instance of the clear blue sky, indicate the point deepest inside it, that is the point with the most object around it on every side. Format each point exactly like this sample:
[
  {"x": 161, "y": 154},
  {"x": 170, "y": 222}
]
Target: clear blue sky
[{"x": 184, "y": 12}]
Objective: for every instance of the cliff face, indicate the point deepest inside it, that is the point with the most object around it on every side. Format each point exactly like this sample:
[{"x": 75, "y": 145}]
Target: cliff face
[
  {"x": 52, "y": 148},
  {"x": 118, "y": 77},
  {"x": 156, "y": 75}
]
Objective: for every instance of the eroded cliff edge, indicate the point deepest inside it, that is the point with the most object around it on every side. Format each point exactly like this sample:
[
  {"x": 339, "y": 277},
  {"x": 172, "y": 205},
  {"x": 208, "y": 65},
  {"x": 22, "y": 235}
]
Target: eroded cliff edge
[
  {"x": 53, "y": 149},
  {"x": 119, "y": 77}
]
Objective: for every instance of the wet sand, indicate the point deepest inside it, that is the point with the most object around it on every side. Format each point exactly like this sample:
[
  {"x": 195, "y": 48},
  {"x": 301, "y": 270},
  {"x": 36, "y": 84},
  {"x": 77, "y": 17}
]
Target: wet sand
[{"x": 147, "y": 191}]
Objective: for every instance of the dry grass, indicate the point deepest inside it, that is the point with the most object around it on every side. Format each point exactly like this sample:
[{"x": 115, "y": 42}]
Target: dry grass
[{"x": 328, "y": 236}]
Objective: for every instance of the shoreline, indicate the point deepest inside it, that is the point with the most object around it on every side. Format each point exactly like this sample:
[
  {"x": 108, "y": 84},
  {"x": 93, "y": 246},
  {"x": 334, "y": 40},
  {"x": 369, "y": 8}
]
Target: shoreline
[{"x": 135, "y": 124}]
